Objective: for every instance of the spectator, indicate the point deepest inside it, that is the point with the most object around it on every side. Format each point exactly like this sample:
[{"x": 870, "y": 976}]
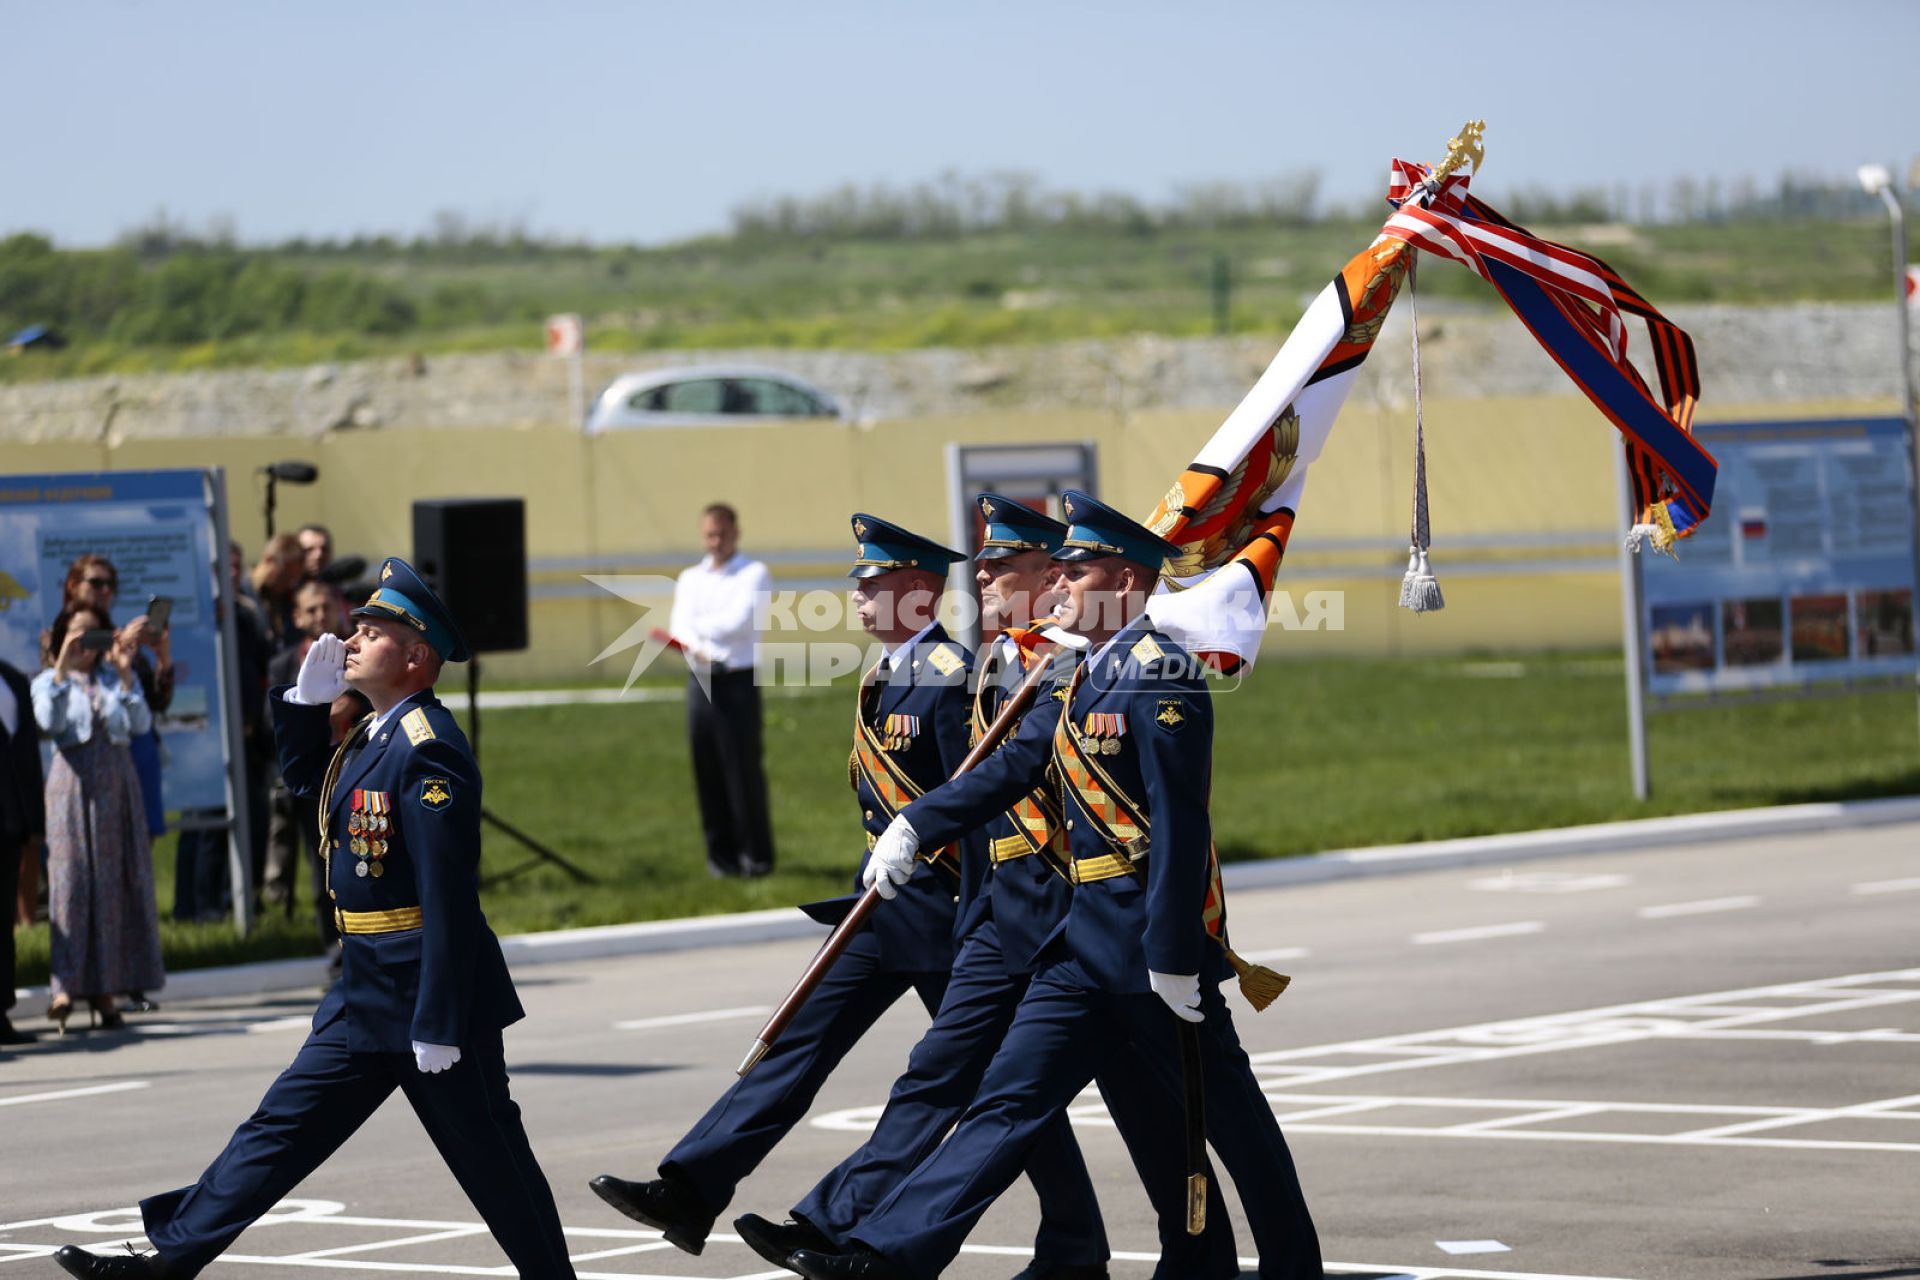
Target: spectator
[
  {"x": 292, "y": 823},
  {"x": 106, "y": 937},
  {"x": 23, "y": 817},
  {"x": 281, "y": 567},
  {"x": 713, "y": 618},
  {"x": 93, "y": 581},
  {"x": 316, "y": 549}
]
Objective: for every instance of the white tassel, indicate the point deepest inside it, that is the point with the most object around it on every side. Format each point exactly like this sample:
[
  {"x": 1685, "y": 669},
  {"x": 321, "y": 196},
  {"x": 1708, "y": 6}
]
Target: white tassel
[
  {"x": 1420, "y": 590},
  {"x": 1642, "y": 536}
]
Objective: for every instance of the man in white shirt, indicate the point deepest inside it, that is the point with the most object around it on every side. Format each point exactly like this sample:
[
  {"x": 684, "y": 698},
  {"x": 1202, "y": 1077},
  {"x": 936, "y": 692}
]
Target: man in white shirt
[{"x": 714, "y": 606}]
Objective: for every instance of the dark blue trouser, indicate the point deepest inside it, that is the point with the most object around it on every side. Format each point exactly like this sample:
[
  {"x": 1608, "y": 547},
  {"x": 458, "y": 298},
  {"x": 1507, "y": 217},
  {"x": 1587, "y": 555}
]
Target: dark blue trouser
[
  {"x": 758, "y": 1109},
  {"x": 942, "y": 1075},
  {"x": 322, "y": 1097},
  {"x": 1064, "y": 1031}
]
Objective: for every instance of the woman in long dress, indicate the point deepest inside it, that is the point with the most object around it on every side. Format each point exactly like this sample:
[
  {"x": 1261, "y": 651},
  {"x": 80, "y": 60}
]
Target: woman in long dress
[{"x": 106, "y": 933}]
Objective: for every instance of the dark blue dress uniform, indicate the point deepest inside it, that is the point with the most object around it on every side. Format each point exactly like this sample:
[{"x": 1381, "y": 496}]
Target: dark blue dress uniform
[
  {"x": 1013, "y": 899},
  {"x": 402, "y": 837},
  {"x": 1135, "y": 908},
  {"x": 910, "y": 734}
]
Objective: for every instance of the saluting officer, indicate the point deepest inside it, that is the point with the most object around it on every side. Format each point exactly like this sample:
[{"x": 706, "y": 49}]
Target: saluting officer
[
  {"x": 909, "y": 735},
  {"x": 424, "y": 990},
  {"x": 1011, "y": 901},
  {"x": 1133, "y": 749}
]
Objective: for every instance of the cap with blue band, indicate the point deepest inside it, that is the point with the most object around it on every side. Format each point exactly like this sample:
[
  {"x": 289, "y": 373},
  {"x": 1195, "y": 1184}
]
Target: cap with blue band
[
  {"x": 1013, "y": 527},
  {"x": 1095, "y": 529},
  {"x": 403, "y": 596},
  {"x": 885, "y": 546}
]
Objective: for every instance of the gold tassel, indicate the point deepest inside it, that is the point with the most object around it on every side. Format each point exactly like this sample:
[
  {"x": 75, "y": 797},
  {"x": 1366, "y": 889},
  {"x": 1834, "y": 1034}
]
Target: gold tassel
[{"x": 1259, "y": 984}]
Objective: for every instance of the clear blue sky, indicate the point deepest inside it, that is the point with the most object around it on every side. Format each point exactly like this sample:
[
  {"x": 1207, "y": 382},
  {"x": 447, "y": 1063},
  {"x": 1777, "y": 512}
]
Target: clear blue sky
[{"x": 648, "y": 121}]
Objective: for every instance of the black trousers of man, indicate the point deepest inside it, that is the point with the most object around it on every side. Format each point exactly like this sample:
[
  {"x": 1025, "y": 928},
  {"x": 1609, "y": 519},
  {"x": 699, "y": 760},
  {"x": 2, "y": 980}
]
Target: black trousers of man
[
  {"x": 13, "y": 847},
  {"x": 723, "y": 730}
]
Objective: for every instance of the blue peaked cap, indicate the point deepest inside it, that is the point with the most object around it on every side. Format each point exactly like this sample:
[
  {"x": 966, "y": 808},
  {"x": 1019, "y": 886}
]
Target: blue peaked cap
[
  {"x": 403, "y": 596},
  {"x": 1095, "y": 529},
  {"x": 1013, "y": 527},
  {"x": 885, "y": 547}
]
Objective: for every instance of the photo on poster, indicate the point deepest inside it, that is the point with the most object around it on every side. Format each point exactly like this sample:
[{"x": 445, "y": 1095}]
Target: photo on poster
[
  {"x": 1886, "y": 624},
  {"x": 1753, "y": 631},
  {"x": 1681, "y": 637},
  {"x": 1820, "y": 630}
]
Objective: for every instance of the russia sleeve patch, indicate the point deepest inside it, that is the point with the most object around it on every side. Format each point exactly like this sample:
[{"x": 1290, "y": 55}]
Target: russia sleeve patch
[{"x": 436, "y": 793}]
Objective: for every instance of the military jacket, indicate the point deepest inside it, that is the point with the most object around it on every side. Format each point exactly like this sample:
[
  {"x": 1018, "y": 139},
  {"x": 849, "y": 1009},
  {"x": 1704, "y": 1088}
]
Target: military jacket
[
  {"x": 407, "y": 801},
  {"x": 1026, "y": 895},
  {"x": 916, "y": 712}
]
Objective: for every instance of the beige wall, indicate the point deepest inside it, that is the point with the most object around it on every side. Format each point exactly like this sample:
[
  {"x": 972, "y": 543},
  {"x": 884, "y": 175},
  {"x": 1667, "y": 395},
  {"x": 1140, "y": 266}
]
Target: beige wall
[{"x": 1521, "y": 500}]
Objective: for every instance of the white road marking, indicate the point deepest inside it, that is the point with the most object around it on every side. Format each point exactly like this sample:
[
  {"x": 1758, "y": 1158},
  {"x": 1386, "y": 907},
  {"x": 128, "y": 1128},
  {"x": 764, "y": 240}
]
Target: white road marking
[
  {"x": 90, "y": 1090},
  {"x": 454, "y": 1233},
  {"x": 1548, "y": 882},
  {"x": 1514, "y": 930},
  {"x": 1704, "y": 906},
  {"x": 1888, "y": 886},
  {"x": 688, "y": 1019},
  {"x": 1458, "y": 1247},
  {"x": 1278, "y": 953},
  {"x": 299, "y": 1023}
]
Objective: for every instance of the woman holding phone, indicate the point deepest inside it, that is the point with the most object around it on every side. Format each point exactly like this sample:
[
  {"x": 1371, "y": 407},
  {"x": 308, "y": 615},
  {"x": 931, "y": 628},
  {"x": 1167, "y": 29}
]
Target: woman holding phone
[{"x": 106, "y": 935}]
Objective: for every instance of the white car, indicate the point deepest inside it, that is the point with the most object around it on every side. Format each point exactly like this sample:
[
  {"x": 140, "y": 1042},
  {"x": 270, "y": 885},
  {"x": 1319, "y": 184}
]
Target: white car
[{"x": 716, "y": 396}]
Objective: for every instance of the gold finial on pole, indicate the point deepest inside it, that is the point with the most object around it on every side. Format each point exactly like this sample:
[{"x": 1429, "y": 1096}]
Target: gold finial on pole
[{"x": 1462, "y": 147}]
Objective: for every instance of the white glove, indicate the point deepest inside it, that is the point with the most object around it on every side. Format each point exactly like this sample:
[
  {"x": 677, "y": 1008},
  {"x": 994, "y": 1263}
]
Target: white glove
[
  {"x": 1180, "y": 991},
  {"x": 323, "y": 673},
  {"x": 891, "y": 862},
  {"x": 435, "y": 1057}
]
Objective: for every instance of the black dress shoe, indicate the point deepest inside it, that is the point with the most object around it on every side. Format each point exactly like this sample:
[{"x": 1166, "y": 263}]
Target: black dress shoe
[
  {"x": 778, "y": 1241},
  {"x": 10, "y": 1034},
  {"x": 861, "y": 1265},
  {"x": 666, "y": 1204},
  {"x": 76, "y": 1261},
  {"x": 1044, "y": 1270}
]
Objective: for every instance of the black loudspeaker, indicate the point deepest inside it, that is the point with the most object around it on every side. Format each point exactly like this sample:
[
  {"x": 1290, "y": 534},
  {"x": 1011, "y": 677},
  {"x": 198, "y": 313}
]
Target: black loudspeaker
[{"x": 473, "y": 552}]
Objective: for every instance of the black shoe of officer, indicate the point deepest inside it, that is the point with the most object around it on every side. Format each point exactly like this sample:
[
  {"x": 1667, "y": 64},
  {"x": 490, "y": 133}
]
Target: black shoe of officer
[
  {"x": 76, "y": 1261},
  {"x": 863, "y": 1264},
  {"x": 10, "y": 1034},
  {"x": 666, "y": 1204},
  {"x": 779, "y": 1241},
  {"x": 1044, "y": 1270}
]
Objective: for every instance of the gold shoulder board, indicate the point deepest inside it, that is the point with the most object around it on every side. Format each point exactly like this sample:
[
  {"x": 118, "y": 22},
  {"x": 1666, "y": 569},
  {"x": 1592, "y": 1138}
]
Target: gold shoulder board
[
  {"x": 944, "y": 660},
  {"x": 415, "y": 723},
  {"x": 1146, "y": 650}
]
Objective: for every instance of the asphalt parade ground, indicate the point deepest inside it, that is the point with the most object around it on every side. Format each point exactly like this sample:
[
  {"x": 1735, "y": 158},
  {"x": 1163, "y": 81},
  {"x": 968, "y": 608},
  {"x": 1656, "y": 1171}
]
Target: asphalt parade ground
[{"x": 1696, "y": 1062}]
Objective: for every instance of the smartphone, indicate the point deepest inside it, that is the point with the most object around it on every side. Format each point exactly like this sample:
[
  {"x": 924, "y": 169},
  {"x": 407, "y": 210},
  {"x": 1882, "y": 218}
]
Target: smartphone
[
  {"x": 159, "y": 612},
  {"x": 98, "y": 638}
]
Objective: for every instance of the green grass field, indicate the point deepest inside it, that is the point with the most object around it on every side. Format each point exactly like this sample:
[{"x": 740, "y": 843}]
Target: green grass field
[{"x": 1310, "y": 755}]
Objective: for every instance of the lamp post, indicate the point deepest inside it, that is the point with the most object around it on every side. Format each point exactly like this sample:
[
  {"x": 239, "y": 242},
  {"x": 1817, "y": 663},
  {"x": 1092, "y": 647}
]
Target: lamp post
[{"x": 1876, "y": 181}]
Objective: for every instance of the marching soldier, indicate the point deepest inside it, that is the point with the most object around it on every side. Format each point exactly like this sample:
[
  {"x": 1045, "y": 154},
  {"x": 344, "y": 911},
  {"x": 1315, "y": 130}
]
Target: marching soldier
[
  {"x": 910, "y": 734},
  {"x": 1011, "y": 900},
  {"x": 424, "y": 991},
  {"x": 1132, "y": 747}
]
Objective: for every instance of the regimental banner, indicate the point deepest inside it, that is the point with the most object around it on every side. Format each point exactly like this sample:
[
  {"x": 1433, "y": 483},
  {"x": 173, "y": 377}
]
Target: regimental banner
[
  {"x": 1807, "y": 575},
  {"x": 156, "y": 528}
]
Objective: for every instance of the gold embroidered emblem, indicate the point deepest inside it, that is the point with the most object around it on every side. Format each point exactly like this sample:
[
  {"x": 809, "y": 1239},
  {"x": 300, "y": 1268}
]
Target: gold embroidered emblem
[
  {"x": 860, "y": 530},
  {"x": 386, "y": 571},
  {"x": 1145, "y": 650},
  {"x": 415, "y": 723},
  {"x": 944, "y": 660},
  {"x": 1172, "y": 509},
  {"x": 436, "y": 793},
  {"x": 986, "y": 509},
  {"x": 1170, "y": 715}
]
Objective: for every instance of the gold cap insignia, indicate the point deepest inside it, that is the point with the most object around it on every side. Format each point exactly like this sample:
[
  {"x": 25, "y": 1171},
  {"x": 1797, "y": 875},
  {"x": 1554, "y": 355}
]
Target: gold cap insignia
[
  {"x": 1066, "y": 505},
  {"x": 986, "y": 509},
  {"x": 860, "y": 530},
  {"x": 386, "y": 571}
]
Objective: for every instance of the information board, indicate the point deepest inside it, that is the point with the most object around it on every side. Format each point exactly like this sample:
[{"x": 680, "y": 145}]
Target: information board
[
  {"x": 158, "y": 529},
  {"x": 1803, "y": 573}
]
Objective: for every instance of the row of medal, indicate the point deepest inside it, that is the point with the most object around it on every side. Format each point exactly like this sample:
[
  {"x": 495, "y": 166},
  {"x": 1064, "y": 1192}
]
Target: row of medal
[
  {"x": 1106, "y": 728},
  {"x": 897, "y": 732},
  {"x": 367, "y": 826}
]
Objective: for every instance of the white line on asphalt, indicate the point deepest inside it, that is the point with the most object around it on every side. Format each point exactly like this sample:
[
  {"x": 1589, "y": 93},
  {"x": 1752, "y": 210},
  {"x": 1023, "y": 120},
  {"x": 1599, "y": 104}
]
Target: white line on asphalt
[
  {"x": 688, "y": 1019},
  {"x": 1278, "y": 953},
  {"x": 1703, "y": 907},
  {"x": 1888, "y": 886},
  {"x": 1513, "y": 930},
  {"x": 455, "y": 1233},
  {"x": 57, "y": 1094}
]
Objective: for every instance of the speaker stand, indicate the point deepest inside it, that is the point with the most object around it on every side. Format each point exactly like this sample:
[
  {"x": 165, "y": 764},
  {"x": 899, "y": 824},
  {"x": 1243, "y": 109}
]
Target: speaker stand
[{"x": 541, "y": 852}]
